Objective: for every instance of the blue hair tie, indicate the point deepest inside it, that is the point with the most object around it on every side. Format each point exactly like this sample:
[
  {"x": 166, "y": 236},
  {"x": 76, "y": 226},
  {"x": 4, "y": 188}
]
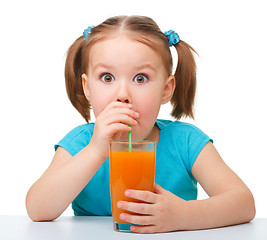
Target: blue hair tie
[
  {"x": 87, "y": 32},
  {"x": 173, "y": 37}
]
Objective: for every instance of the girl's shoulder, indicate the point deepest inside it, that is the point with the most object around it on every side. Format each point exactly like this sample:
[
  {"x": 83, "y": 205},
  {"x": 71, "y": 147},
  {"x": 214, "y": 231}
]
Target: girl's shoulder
[
  {"x": 174, "y": 126},
  {"x": 81, "y": 130},
  {"x": 181, "y": 133},
  {"x": 77, "y": 138}
]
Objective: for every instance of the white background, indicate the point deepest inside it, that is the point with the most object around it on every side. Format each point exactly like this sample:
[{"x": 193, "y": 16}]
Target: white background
[{"x": 230, "y": 37}]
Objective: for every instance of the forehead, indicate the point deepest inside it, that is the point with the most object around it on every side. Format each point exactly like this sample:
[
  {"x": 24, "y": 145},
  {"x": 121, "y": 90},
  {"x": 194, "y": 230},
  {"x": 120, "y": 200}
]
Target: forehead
[{"x": 122, "y": 49}]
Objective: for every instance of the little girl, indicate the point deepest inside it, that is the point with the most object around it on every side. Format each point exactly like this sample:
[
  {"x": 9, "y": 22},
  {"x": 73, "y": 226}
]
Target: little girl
[{"x": 122, "y": 69}]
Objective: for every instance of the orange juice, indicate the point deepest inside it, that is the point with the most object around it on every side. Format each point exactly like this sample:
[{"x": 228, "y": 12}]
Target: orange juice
[{"x": 130, "y": 170}]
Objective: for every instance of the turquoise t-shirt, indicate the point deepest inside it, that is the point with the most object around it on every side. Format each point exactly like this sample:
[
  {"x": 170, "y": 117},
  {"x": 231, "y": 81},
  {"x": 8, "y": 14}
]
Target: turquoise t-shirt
[{"x": 178, "y": 147}]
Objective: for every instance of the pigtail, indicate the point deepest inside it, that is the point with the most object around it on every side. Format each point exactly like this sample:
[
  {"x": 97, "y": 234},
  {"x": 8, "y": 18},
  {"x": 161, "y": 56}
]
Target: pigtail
[
  {"x": 185, "y": 75},
  {"x": 73, "y": 79}
]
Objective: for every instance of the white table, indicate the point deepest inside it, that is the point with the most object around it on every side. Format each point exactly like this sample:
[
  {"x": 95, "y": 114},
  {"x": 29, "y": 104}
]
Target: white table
[{"x": 101, "y": 228}]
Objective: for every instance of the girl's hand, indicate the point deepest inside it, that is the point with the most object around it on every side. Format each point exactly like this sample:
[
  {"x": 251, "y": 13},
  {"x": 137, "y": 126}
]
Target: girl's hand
[
  {"x": 110, "y": 124},
  {"x": 161, "y": 212}
]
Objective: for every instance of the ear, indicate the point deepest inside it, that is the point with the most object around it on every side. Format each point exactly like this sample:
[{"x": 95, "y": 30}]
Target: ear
[
  {"x": 168, "y": 89},
  {"x": 85, "y": 86}
]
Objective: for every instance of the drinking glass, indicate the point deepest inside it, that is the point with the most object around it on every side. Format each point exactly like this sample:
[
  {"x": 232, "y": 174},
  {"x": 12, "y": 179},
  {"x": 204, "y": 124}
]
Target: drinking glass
[{"x": 131, "y": 166}]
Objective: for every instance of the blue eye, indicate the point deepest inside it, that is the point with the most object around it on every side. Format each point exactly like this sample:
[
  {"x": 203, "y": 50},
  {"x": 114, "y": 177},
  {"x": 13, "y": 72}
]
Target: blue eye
[
  {"x": 140, "y": 78},
  {"x": 106, "y": 77}
]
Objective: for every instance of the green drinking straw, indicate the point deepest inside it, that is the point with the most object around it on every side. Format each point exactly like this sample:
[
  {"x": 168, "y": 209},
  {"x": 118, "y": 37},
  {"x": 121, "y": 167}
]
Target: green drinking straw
[{"x": 130, "y": 137}]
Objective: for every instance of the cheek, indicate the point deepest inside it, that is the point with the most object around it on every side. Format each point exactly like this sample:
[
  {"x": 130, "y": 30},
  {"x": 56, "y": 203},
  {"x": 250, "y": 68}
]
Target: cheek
[
  {"x": 151, "y": 110},
  {"x": 99, "y": 102},
  {"x": 149, "y": 106},
  {"x": 148, "y": 109}
]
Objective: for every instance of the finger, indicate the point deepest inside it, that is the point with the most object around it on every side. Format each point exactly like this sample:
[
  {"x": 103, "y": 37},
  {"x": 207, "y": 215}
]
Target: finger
[
  {"x": 141, "y": 208},
  {"x": 145, "y": 196},
  {"x": 119, "y": 127},
  {"x": 125, "y": 111},
  {"x": 123, "y": 115},
  {"x": 143, "y": 220},
  {"x": 120, "y": 118}
]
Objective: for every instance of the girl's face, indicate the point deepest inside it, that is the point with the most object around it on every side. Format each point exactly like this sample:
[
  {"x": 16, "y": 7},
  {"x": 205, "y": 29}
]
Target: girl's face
[{"x": 123, "y": 69}]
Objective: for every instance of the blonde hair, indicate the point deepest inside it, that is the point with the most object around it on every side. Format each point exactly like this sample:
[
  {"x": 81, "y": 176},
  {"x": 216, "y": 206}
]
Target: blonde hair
[{"x": 145, "y": 30}]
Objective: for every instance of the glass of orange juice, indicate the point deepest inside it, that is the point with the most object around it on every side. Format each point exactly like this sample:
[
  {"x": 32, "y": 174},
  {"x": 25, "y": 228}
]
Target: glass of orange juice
[{"x": 131, "y": 166}]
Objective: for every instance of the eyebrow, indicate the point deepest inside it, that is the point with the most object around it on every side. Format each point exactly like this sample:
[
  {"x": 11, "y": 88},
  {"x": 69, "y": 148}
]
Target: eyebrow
[
  {"x": 138, "y": 67},
  {"x": 102, "y": 65},
  {"x": 146, "y": 65}
]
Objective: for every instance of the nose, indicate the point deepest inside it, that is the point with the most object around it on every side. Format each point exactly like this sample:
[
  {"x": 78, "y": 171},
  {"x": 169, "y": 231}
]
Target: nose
[{"x": 123, "y": 94}]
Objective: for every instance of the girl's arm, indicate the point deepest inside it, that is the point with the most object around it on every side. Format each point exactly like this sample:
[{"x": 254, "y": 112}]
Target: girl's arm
[
  {"x": 67, "y": 176},
  {"x": 230, "y": 202},
  {"x": 61, "y": 183}
]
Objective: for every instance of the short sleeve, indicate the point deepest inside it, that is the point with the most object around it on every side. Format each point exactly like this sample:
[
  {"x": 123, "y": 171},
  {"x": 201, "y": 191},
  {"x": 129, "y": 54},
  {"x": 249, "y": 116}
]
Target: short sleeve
[
  {"x": 184, "y": 139},
  {"x": 196, "y": 140},
  {"x": 76, "y": 139}
]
